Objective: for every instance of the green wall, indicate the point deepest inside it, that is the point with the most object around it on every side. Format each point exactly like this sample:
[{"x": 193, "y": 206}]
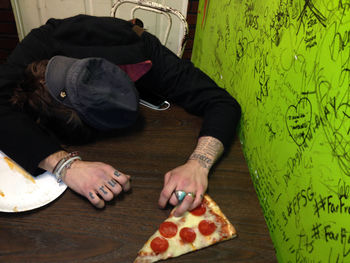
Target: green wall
[{"x": 288, "y": 64}]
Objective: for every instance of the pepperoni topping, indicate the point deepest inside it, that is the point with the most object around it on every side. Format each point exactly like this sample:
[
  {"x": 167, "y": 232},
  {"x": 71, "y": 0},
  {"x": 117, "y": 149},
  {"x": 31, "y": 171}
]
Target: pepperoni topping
[
  {"x": 206, "y": 227},
  {"x": 168, "y": 229},
  {"x": 187, "y": 235},
  {"x": 159, "y": 245},
  {"x": 199, "y": 210}
]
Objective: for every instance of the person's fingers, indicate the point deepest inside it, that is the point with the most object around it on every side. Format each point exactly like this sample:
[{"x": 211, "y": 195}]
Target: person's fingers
[
  {"x": 166, "y": 193},
  {"x": 173, "y": 199},
  {"x": 105, "y": 193},
  {"x": 184, "y": 206},
  {"x": 198, "y": 200},
  {"x": 122, "y": 179},
  {"x": 95, "y": 200},
  {"x": 167, "y": 177},
  {"x": 114, "y": 186}
]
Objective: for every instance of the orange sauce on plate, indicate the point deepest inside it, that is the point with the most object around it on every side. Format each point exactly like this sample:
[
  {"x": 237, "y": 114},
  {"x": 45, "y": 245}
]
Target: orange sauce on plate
[{"x": 16, "y": 167}]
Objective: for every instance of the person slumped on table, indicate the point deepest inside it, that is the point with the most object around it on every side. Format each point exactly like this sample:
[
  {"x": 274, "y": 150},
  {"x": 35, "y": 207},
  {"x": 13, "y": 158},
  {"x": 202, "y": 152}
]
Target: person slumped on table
[{"x": 73, "y": 78}]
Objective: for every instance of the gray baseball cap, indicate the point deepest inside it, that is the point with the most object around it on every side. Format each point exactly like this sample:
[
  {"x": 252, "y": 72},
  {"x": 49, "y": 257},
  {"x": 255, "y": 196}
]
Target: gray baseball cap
[{"x": 99, "y": 91}]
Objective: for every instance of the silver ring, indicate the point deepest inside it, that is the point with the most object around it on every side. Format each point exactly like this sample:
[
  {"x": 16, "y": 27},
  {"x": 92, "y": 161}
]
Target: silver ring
[
  {"x": 193, "y": 195},
  {"x": 180, "y": 195}
]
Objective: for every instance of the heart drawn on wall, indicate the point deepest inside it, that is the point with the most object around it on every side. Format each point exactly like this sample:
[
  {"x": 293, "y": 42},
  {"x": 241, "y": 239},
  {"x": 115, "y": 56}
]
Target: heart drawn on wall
[{"x": 298, "y": 120}]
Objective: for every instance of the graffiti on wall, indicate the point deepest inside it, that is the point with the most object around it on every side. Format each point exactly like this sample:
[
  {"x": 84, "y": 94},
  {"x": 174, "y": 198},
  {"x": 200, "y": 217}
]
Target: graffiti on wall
[{"x": 288, "y": 64}]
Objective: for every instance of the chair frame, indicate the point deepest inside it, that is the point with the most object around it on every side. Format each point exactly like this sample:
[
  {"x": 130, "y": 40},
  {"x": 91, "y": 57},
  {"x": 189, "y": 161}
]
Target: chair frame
[{"x": 159, "y": 9}]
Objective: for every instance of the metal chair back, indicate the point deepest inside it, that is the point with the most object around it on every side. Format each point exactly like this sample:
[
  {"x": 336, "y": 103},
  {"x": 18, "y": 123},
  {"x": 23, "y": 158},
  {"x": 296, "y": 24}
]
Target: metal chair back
[{"x": 166, "y": 11}]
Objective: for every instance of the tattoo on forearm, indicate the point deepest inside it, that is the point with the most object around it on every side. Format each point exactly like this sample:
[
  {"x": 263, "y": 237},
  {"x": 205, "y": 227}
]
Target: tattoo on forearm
[
  {"x": 103, "y": 190},
  {"x": 203, "y": 160},
  {"x": 91, "y": 195},
  {"x": 207, "y": 151}
]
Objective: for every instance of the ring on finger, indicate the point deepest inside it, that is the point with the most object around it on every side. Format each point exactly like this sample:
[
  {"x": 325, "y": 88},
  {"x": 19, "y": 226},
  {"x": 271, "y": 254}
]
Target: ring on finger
[
  {"x": 193, "y": 195},
  {"x": 180, "y": 195}
]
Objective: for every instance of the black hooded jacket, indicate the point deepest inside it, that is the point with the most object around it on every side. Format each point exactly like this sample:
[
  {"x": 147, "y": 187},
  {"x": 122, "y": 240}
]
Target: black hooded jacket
[{"x": 83, "y": 36}]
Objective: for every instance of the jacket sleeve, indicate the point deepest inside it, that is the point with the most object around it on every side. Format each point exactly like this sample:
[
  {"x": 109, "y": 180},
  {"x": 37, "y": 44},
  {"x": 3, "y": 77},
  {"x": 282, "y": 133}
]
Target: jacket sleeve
[
  {"x": 79, "y": 36},
  {"x": 180, "y": 82},
  {"x": 20, "y": 137}
]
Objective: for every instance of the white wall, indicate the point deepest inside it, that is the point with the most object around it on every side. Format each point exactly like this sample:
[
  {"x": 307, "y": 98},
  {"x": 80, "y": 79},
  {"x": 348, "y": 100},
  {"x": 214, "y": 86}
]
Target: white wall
[{"x": 30, "y": 14}]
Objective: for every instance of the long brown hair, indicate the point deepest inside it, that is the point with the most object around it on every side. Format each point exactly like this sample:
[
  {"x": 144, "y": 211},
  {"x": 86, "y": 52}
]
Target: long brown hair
[{"x": 31, "y": 95}]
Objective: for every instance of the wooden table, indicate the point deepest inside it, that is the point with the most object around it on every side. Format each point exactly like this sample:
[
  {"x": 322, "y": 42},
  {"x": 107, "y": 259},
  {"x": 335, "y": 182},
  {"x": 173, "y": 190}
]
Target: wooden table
[{"x": 71, "y": 230}]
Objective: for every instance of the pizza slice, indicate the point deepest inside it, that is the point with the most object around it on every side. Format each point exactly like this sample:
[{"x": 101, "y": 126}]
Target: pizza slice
[{"x": 196, "y": 229}]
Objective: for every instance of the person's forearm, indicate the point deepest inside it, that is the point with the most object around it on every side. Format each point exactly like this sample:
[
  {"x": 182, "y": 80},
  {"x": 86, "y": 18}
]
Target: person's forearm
[
  {"x": 208, "y": 150},
  {"x": 50, "y": 162}
]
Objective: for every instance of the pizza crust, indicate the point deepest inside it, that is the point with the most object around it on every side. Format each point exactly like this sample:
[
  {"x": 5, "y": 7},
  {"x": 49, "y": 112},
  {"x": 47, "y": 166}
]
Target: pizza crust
[{"x": 231, "y": 231}]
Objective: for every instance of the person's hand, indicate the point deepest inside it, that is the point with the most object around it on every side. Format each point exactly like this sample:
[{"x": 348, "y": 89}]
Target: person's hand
[
  {"x": 191, "y": 178},
  {"x": 97, "y": 181}
]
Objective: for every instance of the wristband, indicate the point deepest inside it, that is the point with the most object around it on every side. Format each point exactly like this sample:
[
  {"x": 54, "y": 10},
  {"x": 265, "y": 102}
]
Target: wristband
[{"x": 64, "y": 164}]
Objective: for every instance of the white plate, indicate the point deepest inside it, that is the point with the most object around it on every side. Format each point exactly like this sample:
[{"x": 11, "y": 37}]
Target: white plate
[{"x": 19, "y": 191}]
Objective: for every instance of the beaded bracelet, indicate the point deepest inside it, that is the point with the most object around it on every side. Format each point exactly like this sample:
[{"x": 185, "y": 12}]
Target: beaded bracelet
[{"x": 64, "y": 164}]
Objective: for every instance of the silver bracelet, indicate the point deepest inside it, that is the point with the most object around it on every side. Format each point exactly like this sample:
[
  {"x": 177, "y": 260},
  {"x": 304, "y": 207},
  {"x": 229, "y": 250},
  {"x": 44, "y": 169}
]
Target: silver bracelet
[{"x": 64, "y": 164}]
